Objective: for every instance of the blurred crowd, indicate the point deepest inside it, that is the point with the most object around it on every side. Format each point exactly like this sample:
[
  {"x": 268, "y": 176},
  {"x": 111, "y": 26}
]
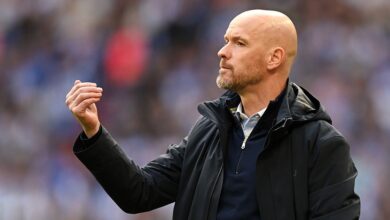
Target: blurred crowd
[{"x": 156, "y": 61}]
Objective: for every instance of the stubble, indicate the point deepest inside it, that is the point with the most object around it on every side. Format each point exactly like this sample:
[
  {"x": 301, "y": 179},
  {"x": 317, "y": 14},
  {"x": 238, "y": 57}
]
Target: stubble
[{"x": 237, "y": 82}]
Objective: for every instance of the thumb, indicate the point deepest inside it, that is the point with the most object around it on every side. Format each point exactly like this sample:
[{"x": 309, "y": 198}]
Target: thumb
[{"x": 77, "y": 82}]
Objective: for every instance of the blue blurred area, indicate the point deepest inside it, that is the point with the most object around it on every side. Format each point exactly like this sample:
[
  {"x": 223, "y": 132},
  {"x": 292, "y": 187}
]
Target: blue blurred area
[{"x": 156, "y": 60}]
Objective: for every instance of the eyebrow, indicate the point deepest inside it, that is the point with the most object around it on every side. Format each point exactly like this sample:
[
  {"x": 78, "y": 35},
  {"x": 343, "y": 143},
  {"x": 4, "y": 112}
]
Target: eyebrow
[{"x": 236, "y": 38}]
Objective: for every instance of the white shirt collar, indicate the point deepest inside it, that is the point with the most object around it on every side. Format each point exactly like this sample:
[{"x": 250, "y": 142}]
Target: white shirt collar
[{"x": 244, "y": 116}]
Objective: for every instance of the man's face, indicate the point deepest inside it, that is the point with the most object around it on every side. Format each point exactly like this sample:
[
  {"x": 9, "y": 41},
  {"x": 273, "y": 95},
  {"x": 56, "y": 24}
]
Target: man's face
[{"x": 242, "y": 57}]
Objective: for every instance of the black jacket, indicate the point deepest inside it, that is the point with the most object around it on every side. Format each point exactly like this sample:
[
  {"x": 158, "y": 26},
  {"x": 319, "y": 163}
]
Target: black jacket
[{"x": 304, "y": 172}]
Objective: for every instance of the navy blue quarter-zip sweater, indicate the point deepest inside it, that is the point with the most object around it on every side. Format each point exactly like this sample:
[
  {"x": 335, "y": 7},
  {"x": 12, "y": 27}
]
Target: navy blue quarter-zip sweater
[{"x": 238, "y": 198}]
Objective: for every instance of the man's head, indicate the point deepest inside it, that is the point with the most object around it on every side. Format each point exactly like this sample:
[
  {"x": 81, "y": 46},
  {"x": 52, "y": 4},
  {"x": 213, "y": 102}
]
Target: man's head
[{"x": 260, "y": 45}]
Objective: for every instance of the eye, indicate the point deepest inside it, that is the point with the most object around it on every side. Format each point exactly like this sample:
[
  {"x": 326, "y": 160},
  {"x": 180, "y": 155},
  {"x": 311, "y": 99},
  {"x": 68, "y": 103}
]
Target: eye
[{"x": 240, "y": 43}]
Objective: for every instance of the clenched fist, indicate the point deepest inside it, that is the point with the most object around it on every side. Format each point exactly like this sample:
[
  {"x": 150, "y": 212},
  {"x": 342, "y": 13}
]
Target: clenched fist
[{"x": 81, "y": 101}]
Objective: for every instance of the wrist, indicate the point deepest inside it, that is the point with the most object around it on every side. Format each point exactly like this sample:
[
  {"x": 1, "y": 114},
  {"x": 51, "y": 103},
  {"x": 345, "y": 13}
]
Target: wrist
[{"x": 90, "y": 132}]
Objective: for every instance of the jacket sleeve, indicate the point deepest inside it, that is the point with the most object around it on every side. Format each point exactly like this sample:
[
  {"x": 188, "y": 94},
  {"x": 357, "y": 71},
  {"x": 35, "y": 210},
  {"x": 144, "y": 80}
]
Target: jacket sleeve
[
  {"x": 331, "y": 180},
  {"x": 134, "y": 189}
]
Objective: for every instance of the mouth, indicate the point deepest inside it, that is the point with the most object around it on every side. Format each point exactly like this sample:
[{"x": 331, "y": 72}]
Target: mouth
[{"x": 225, "y": 66}]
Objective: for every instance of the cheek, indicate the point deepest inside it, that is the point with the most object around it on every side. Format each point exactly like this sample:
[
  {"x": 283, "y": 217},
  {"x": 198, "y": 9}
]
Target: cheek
[
  {"x": 246, "y": 66},
  {"x": 256, "y": 63},
  {"x": 248, "y": 61}
]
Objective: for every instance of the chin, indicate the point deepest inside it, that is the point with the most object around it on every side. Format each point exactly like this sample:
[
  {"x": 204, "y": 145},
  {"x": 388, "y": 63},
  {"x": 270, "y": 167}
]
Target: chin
[{"x": 224, "y": 83}]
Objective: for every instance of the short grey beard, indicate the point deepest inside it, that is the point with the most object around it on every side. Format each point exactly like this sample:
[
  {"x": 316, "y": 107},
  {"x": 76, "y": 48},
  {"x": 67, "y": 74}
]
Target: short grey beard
[
  {"x": 235, "y": 86},
  {"x": 232, "y": 86},
  {"x": 222, "y": 84}
]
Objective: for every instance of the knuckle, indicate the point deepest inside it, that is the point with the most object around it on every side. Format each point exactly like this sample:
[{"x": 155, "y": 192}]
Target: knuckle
[
  {"x": 80, "y": 96},
  {"x": 89, "y": 101},
  {"x": 83, "y": 89},
  {"x": 76, "y": 110},
  {"x": 68, "y": 101},
  {"x": 83, "y": 102},
  {"x": 76, "y": 87},
  {"x": 83, "y": 96}
]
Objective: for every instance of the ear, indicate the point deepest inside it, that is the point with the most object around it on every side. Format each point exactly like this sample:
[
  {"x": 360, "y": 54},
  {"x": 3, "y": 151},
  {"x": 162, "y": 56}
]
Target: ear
[{"x": 276, "y": 58}]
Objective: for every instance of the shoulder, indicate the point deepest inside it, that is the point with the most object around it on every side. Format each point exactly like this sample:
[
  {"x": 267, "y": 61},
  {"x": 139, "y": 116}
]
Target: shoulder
[
  {"x": 327, "y": 136},
  {"x": 327, "y": 146},
  {"x": 318, "y": 131},
  {"x": 321, "y": 139}
]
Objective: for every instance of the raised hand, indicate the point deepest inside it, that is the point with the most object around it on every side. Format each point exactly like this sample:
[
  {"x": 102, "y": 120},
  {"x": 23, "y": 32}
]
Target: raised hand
[{"x": 81, "y": 101}]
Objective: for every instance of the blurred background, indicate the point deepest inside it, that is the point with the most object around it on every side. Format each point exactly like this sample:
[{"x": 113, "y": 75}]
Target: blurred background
[{"x": 156, "y": 60}]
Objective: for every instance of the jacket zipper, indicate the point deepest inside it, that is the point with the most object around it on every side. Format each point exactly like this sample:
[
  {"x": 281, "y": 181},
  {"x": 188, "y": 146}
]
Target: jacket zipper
[
  {"x": 243, "y": 145},
  {"x": 237, "y": 171}
]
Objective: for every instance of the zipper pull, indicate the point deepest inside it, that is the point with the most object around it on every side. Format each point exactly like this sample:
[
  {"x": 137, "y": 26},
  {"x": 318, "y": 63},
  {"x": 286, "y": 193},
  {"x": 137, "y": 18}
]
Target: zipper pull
[{"x": 243, "y": 143}]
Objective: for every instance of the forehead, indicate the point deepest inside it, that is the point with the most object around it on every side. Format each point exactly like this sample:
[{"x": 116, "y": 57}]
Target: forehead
[{"x": 245, "y": 26}]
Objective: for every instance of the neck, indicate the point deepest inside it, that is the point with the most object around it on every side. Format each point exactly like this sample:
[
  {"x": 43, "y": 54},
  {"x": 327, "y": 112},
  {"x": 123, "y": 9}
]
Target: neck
[{"x": 257, "y": 97}]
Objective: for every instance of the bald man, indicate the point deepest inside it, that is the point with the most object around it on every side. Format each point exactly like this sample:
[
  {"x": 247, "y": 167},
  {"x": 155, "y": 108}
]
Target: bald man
[{"x": 265, "y": 149}]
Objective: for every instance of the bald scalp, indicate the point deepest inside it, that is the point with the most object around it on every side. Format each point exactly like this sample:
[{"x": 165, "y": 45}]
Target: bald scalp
[{"x": 272, "y": 29}]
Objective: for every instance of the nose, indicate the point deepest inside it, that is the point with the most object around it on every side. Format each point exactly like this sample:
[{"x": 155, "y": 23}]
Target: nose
[{"x": 224, "y": 52}]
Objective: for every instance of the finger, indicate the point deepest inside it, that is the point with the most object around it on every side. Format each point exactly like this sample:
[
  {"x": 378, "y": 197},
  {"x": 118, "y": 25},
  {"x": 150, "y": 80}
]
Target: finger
[
  {"x": 83, "y": 96},
  {"x": 83, "y": 90},
  {"x": 73, "y": 88},
  {"x": 78, "y": 85},
  {"x": 81, "y": 108}
]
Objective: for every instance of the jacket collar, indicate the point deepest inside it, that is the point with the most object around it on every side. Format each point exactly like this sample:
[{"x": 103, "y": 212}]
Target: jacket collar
[{"x": 297, "y": 106}]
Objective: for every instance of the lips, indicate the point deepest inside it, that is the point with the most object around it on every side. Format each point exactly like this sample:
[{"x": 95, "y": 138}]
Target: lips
[{"x": 225, "y": 65}]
